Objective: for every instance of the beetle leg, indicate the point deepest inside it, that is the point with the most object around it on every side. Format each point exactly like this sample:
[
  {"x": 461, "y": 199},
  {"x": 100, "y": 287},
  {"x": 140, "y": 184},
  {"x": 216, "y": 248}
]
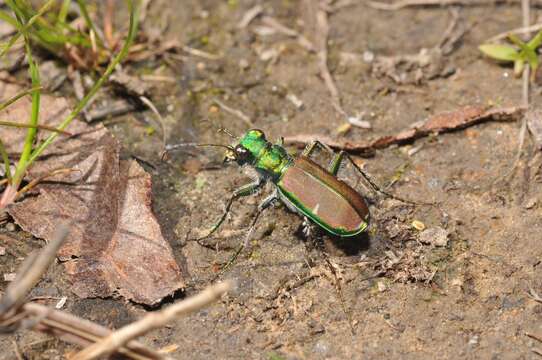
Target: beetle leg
[
  {"x": 244, "y": 190},
  {"x": 335, "y": 163},
  {"x": 312, "y": 145},
  {"x": 261, "y": 207},
  {"x": 334, "y": 168},
  {"x": 268, "y": 201}
]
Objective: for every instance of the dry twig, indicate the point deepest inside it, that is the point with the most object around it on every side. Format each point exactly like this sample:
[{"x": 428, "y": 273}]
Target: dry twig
[
  {"x": 524, "y": 30},
  {"x": 152, "y": 321},
  {"x": 30, "y": 273},
  {"x": 235, "y": 112},
  {"x": 401, "y": 4},
  {"x": 322, "y": 26}
]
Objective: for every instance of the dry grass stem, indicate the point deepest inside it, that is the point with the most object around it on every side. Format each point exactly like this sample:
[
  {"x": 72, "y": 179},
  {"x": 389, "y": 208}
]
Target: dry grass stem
[
  {"x": 30, "y": 273},
  {"x": 524, "y": 30},
  {"x": 153, "y": 321},
  {"x": 302, "y": 40},
  {"x": 235, "y": 112},
  {"x": 398, "y": 5},
  {"x": 322, "y": 26}
]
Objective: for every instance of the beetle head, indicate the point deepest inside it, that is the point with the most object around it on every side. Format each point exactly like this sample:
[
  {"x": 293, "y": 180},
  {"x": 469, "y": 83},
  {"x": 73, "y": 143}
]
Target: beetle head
[{"x": 248, "y": 149}]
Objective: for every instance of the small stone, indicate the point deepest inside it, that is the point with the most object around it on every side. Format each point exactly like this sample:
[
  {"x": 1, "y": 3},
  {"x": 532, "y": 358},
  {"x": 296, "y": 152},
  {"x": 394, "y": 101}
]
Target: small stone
[
  {"x": 418, "y": 225},
  {"x": 321, "y": 347},
  {"x": 10, "y": 226},
  {"x": 10, "y": 277},
  {"x": 60, "y": 304},
  {"x": 474, "y": 340},
  {"x": 298, "y": 103},
  {"x": 357, "y": 121},
  {"x": 531, "y": 203},
  {"x": 243, "y": 64},
  {"x": 2, "y": 250},
  {"x": 381, "y": 286},
  {"x": 368, "y": 56},
  {"x": 435, "y": 236}
]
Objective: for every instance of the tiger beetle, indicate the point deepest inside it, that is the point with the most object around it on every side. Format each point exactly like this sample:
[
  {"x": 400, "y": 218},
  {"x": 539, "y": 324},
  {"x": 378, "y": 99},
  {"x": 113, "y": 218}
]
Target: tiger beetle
[{"x": 301, "y": 184}]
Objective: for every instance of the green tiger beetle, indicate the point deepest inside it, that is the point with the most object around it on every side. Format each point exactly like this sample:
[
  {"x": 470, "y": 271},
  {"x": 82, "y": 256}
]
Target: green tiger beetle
[{"x": 301, "y": 184}]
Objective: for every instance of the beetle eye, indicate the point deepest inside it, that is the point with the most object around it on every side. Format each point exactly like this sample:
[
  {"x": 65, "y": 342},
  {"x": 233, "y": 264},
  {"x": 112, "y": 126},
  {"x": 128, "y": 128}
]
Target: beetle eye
[{"x": 241, "y": 153}]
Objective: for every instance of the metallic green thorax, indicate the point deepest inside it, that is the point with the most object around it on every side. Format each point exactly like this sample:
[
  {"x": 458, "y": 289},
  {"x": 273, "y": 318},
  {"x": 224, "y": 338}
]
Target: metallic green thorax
[{"x": 268, "y": 158}]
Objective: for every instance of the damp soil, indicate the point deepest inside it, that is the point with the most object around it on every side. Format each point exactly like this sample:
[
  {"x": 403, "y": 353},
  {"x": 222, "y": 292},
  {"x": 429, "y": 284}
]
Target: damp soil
[{"x": 383, "y": 295}]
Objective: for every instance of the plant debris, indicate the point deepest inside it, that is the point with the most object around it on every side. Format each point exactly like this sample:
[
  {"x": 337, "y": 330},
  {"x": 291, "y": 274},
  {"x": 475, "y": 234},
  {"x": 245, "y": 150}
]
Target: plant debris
[
  {"x": 115, "y": 246},
  {"x": 534, "y": 123},
  {"x": 435, "y": 236},
  {"x": 436, "y": 124}
]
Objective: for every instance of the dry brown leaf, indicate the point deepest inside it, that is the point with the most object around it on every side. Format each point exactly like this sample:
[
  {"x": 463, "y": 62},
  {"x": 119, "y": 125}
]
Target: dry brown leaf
[{"x": 115, "y": 245}]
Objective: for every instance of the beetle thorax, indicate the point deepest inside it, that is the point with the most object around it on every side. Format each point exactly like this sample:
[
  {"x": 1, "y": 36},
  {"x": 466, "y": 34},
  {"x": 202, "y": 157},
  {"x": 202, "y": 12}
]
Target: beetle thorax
[{"x": 264, "y": 156}]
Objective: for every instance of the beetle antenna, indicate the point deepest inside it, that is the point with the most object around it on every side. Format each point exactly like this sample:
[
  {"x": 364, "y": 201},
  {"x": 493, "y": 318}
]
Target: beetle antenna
[
  {"x": 225, "y": 131},
  {"x": 171, "y": 147}
]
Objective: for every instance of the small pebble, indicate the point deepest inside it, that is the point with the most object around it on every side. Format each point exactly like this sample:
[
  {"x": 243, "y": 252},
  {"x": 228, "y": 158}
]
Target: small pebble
[
  {"x": 368, "y": 56},
  {"x": 2, "y": 250},
  {"x": 243, "y": 64},
  {"x": 381, "y": 286},
  {"x": 418, "y": 225},
  {"x": 436, "y": 236},
  {"x": 474, "y": 340},
  {"x": 10, "y": 277},
  {"x": 10, "y": 226},
  {"x": 358, "y": 122},
  {"x": 531, "y": 203},
  {"x": 60, "y": 304},
  {"x": 298, "y": 103}
]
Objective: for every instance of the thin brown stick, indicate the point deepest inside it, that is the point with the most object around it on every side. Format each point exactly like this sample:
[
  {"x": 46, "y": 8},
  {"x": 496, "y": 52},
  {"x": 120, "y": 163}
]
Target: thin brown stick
[
  {"x": 36, "y": 181},
  {"x": 525, "y": 7},
  {"x": 533, "y": 336},
  {"x": 524, "y": 30},
  {"x": 82, "y": 332},
  {"x": 32, "y": 272},
  {"x": 322, "y": 26},
  {"x": 153, "y": 321},
  {"x": 302, "y": 40},
  {"x": 250, "y": 15},
  {"x": 398, "y": 5},
  {"x": 17, "y": 350},
  {"x": 108, "y": 23},
  {"x": 159, "y": 118},
  {"x": 235, "y": 112},
  {"x": 533, "y": 295}
]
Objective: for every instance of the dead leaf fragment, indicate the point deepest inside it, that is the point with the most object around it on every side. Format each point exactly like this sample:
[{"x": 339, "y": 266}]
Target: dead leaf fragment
[{"x": 115, "y": 245}]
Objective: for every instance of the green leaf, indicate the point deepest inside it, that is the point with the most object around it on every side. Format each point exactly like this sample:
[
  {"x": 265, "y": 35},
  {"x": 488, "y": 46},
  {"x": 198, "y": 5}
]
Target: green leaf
[
  {"x": 500, "y": 52},
  {"x": 536, "y": 41},
  {"x": 531, "y": 57},
  {"x": 518, "y": 67}
]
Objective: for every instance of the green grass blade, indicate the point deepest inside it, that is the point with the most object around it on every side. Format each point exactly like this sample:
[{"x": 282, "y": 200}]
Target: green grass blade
[
  {"x": 5, "y": 159},
  {"x": 89, "y": 21},
  {"x": 24, "y": 29},
  {"x": 23, "y": 163},
  {"x": 18, "y": 96},
  {"x": 134, "y": 17},
  {"x": 4, "y": 16},
  {"x": 536, "y": 41},
  {"x": 63, "y": 13}
]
